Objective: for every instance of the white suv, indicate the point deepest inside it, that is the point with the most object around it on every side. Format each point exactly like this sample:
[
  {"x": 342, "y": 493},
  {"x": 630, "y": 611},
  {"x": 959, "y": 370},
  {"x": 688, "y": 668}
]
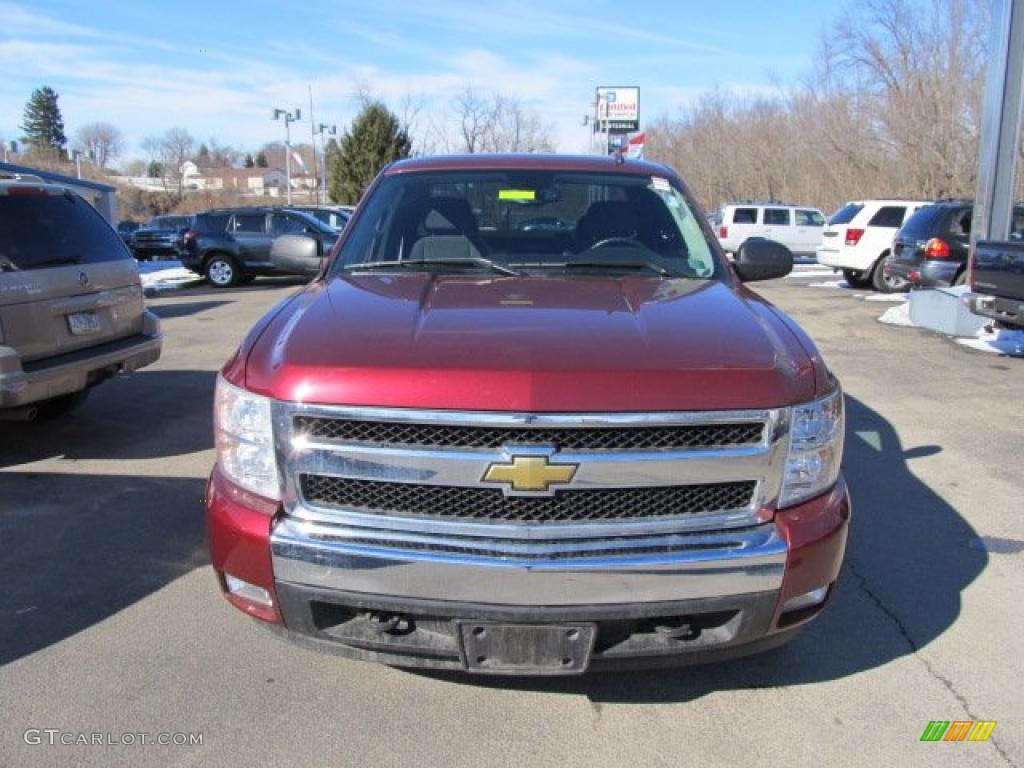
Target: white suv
[
  {"x": 858, "y": 238},
  {"x": 797, "y": 228}
]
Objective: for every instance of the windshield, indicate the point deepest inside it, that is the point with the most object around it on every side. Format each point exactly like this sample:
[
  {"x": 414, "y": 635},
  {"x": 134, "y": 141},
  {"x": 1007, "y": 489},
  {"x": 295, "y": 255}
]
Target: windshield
[{"x": 538, "y": 222}]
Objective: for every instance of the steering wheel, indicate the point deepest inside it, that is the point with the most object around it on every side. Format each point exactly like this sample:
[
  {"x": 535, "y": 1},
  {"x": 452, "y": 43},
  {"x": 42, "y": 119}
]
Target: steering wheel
[{"x": 630, "y": 241}]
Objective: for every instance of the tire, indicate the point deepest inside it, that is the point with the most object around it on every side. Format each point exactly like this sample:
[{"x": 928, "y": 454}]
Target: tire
[
  {"x": 222, "y": 272},
  {"x": 855, "y": 279},
  {"x": 884, "y": 284},
  {"x": 60, "y": 406}
]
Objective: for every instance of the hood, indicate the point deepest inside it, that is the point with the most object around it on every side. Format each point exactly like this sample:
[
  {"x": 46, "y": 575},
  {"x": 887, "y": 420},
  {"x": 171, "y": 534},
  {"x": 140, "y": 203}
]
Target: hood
[{"x": 583, "y": 343}]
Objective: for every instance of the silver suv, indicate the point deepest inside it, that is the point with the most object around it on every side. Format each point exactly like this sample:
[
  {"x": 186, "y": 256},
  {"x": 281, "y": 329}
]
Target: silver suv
[{"x": 71, "y": 306}]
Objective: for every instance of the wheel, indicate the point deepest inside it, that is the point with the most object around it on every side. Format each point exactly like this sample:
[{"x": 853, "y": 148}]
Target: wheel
[
  {"x": 222, "y": 272},
  {"x": 854, "y": 278},
  {"x": 60, "y": 406},
  {"x": 884, "y": 283}
]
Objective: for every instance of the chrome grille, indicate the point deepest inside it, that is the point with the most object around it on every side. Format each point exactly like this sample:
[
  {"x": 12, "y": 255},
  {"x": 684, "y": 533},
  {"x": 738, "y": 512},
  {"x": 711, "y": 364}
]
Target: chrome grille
[
  {"x": 413, "y": 481},
  {"x": 485, "y": 504},
  {"x": 567, "y": 439}
]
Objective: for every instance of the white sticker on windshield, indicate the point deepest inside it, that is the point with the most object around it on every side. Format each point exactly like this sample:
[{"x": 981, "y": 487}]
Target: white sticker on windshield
[{"x": 661, "y": 184}]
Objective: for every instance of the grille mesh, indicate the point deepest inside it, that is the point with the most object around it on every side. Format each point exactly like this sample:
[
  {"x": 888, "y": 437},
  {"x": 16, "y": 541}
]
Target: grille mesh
[
  {"x": 566, "y": 439},
  {"x": 458, "y": 503}
]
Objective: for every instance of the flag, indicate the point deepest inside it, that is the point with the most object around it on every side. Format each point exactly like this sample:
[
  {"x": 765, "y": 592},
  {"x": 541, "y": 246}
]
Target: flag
[{"x": 635, "y": 148}]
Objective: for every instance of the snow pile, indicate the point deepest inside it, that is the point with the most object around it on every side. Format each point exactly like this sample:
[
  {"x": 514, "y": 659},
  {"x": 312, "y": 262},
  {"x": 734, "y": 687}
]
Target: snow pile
[
  {"x": 160, "y": 276},
  {"x": 1000, "y": 341},
  {"x": 899, "y": 315}
]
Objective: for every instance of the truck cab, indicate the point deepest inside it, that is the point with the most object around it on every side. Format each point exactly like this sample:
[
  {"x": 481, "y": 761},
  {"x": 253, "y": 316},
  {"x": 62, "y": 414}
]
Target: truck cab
[{"x": 474, "y": 445}]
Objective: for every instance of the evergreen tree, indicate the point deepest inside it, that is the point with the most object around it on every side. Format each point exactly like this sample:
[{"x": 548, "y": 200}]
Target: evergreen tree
[
  {"x": 203, "y": 156},
  {"x": 374, "y": 139},
  {"x": 261, "y": 159},
  {"x": 43, "y": 124},
  {"x": 249, "y": 162}
]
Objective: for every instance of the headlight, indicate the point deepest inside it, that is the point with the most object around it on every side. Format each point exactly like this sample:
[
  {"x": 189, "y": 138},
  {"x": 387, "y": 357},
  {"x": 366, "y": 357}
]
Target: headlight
[
  {"x": 245, "y": 440},
  {"x": 816, "y": 432}
]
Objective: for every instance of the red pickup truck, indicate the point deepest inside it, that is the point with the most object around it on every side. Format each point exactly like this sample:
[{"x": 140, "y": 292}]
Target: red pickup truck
[{"x": 527, "y": 419}]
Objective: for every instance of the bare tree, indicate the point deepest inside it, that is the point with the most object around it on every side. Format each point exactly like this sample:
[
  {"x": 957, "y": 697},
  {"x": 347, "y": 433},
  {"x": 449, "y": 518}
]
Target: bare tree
[
  {"x": 891, "y": 107},
  {"x": 102, "y": 142},
  {"x": 495, "y": 123},
  {"x": 170, "y": 151}
]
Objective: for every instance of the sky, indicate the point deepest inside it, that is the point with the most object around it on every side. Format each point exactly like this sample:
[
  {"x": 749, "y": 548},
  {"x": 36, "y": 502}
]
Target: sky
[{"x": 218, "y": 69}]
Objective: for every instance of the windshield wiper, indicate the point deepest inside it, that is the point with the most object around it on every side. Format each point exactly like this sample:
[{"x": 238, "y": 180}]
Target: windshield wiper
[
  {"x": 477, "y": 261},
  {"x": 650, "y": 266}
]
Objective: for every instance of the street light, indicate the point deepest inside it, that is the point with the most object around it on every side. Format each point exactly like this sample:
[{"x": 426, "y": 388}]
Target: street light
[
  {"x": 289, "y": 118},
  {"x": 331, "y": 130}
]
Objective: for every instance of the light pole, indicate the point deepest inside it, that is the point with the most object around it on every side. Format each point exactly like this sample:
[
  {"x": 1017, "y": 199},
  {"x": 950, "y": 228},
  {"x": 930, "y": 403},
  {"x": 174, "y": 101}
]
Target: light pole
[
  {"x": 289, "y": 118},
  {"x": 331, "y": 130}
]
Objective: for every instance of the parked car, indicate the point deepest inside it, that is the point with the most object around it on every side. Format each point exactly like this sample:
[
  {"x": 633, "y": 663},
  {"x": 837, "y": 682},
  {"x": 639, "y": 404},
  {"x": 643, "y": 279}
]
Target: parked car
[
  {"x": 474, "y": 447},
  {"x": 334, "y": 216},
  {"x": 931, "y": 249},
  {"x": 859, "y": 237},
  {"x": 997, "y": 277},
  {"x": 71, "y": 306},
  {"x": 162, "y": 237},
  {"x": 127, "y": 230},
  {"x": 798, "y": 228},
  {"x": 231, "y": 245}
]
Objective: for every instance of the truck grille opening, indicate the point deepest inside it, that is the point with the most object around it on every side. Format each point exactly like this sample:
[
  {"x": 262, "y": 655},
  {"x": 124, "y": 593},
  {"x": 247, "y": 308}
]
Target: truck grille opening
[
  {"x": 603, "y": 438},
  {"x": 458, "y": 503}
]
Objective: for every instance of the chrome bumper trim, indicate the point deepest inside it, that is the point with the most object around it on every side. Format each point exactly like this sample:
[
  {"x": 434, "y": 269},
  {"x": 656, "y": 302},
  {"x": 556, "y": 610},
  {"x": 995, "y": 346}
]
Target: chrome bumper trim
[{"x": 555, "y": 573}]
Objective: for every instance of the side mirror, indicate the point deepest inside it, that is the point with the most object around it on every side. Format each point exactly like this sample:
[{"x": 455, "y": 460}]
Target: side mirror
[
  {"x": 761, "y": 259},
  {"x": 297, "y": 254}
]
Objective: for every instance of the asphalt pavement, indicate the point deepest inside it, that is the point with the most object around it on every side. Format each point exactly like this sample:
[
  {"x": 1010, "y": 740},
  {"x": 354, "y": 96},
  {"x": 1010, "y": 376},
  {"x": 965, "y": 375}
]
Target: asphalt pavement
[{"x": 111, "y": 625}]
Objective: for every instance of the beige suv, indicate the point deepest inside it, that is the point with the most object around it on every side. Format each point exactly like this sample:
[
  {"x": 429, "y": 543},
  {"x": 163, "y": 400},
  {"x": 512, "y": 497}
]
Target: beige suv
[{"x": 71, "y": 306}]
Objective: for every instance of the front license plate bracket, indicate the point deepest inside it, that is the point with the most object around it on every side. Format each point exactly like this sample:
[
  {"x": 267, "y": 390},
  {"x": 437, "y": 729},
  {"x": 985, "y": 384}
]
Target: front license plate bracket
[{"x": 526, "y": 649}]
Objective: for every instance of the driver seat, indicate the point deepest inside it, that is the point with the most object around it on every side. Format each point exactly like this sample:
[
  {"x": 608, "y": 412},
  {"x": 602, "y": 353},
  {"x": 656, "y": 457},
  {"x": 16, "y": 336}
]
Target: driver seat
[
  {"x": 606, "y": 219},
  {"x": 447, "y": 230}
]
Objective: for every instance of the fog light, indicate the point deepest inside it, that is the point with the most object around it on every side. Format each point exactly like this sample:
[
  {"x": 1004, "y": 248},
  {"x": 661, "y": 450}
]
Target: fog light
[
  {"x": 806, "y": 600},
  {"x": 247, "y": 591}
]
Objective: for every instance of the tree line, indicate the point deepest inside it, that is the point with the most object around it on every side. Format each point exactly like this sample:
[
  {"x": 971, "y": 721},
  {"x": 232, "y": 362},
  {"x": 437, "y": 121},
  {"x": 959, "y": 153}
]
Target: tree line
[{"x": 892, "y": 107}]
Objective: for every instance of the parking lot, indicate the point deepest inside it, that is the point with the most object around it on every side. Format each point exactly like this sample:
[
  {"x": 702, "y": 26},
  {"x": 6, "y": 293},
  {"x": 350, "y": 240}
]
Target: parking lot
[{"x": 112, "y": 622}]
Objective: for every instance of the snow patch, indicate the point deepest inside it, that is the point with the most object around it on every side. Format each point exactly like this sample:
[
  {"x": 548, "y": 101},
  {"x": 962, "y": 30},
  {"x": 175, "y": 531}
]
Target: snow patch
[
  {"x": 898, "y": 316},
  {"x": 830, "y": 284},
  {"x": 894, "y": 297},
  {"x": 999, "y": 341},
  {"x": 159, "y": 276}
]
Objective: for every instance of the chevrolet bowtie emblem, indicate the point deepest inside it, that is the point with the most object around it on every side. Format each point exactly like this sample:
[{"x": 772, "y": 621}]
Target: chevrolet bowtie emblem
[{"x": 530, "y": 473}]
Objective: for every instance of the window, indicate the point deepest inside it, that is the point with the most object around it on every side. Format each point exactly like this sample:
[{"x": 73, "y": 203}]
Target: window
[
  {"x": 744, "y": 216},
  {"x": 536, "y": 221},
  {"x": 249, "y": 222},
  {"x": 214, "y": 222},
  {"x": 846, "y": 214},
  {"x": 809, "y": 219},
  {"x": 777, "y": 217},
  {"x": 282, "y": 224},
  {"x": 889, "y": 216},
  {"x": 54, "y": 230},
  {"x": 960, "y": 223}
]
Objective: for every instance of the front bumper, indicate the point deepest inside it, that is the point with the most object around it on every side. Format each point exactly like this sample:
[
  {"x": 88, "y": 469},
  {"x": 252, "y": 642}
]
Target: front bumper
[
  {"x": 22, "y": 384},
  {"x": 730, "y": 588}
]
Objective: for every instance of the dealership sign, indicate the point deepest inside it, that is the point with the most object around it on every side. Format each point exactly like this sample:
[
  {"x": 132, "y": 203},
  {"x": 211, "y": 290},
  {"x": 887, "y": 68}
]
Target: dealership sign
[{"x": 618, "y": 109}]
